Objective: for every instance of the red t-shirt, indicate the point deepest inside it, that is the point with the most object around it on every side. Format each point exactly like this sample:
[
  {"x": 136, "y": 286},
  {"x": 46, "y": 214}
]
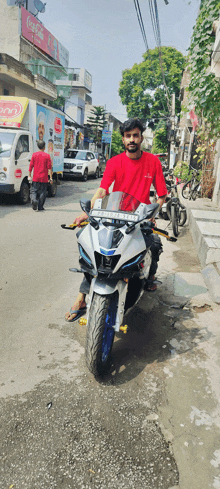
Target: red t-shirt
[
  {"x": 41, "y": 162},
  {"x": 135, "y": 176}
]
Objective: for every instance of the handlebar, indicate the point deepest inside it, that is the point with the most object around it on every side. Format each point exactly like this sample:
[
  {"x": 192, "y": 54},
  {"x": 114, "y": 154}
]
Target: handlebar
[{"x": 161, "y": 232}]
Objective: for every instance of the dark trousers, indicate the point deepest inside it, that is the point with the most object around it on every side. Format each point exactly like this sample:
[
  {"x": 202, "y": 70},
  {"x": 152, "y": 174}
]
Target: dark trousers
[
  {"x": 38, "y": 193},
  {"x": 154, "y": 242}
]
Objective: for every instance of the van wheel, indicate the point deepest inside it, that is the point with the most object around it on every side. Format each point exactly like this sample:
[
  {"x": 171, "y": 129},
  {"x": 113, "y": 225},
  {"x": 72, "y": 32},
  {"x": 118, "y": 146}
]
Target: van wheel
[{"x": 24, "y": 194}]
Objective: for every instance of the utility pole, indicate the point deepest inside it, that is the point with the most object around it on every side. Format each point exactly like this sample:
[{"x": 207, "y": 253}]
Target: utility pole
[{"x": 172, "y": 135}]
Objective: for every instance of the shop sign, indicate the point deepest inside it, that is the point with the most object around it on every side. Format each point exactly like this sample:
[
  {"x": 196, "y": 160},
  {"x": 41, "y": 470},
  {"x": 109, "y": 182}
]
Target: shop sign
[
  {"x": 12, "y": 110},
  {"x": 38, "y": 35}
]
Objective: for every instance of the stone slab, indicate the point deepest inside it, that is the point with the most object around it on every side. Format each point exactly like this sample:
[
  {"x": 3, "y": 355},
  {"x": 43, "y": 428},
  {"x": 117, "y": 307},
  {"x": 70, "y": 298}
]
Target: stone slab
[
  {"x": 208, "y": 228},
  {"x": 189, "y": 284},
  {"x": 212, "y": 281},
  {"x": 213, "y": 242},
  {"x": 206, "y": 215}
]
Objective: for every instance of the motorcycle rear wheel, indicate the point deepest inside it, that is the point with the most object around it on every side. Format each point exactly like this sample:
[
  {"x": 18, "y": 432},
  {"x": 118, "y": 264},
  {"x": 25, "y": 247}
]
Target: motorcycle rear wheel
[{"x": 100, "y": 333}]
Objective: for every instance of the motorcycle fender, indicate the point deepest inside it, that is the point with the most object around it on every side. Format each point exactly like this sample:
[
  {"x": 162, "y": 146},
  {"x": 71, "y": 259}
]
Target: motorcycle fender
[{"x": 108, "y": 287}]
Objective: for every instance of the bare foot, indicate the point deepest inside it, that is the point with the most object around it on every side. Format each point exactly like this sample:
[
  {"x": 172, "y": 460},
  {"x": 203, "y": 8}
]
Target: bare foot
[{"x": 78, "y": 304}]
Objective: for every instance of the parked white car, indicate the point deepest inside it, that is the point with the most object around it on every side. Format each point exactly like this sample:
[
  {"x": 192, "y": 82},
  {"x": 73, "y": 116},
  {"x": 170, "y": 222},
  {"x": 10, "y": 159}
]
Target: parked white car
[{"x": 80, "y": 163}]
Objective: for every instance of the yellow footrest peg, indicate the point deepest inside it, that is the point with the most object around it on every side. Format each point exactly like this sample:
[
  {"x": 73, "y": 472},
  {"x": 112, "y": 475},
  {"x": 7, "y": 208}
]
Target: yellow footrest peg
[
  {"x": 83, "y": 321},
  {"x": 124, "y": 328}
]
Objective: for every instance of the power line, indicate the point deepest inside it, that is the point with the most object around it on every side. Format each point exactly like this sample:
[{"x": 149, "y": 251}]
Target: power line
[
  {"x": 156, "y": 28},
  {"x": 141, "y": 24}
]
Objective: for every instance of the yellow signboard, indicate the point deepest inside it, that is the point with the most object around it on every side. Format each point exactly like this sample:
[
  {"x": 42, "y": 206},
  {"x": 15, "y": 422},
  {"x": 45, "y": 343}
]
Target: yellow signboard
[{"x": 12, "y": 110}]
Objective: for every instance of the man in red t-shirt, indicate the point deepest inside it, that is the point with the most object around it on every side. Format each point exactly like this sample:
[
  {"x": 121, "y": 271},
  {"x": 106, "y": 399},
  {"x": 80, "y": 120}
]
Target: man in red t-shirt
[
  {"x": 41, "y": 163},
  {"x": 132, "y": 172}
]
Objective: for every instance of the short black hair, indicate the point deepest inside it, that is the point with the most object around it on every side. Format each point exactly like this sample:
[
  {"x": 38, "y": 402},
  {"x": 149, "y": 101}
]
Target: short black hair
[
  {"x": 41, "y": 144},
  {"x": 131, "y": 124}
]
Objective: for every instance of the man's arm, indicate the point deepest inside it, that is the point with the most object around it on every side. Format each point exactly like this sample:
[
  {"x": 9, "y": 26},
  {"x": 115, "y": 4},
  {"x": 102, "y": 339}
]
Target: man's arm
[
  {"x": 31, "y": 166},
  {"x": 49, "y": 168},
  {"x": 161, "y": 200},
  {"x": 50, "y": 175},
  {"x": 100, "y": 194}
]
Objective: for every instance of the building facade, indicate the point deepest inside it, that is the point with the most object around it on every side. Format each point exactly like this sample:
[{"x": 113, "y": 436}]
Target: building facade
[{"x": 30, "y": 57}]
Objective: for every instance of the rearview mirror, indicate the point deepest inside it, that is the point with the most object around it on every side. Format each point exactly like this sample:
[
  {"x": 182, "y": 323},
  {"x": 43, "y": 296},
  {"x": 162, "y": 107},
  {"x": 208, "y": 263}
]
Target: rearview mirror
[
  {"x": 85, "y": 205},
  {"x": 152, "y": 210}
]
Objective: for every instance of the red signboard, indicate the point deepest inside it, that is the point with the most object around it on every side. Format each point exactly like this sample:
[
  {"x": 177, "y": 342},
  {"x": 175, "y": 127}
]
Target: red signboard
[
  {"x": 38, "y": 35},
  {"x": 18, "y": 173},
  {"x": 58, "y": 125}
]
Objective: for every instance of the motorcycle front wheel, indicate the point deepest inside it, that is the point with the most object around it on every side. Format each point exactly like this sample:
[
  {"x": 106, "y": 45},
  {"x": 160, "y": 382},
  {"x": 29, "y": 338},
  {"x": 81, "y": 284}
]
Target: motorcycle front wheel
[{"x": 100, "y": 333}]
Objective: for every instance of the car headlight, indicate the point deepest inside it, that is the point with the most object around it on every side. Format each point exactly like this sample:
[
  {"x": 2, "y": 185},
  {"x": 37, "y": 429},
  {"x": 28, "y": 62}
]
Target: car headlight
[
  {"x": 79, "y": 167},
  {"x": 3, "y": 176}
]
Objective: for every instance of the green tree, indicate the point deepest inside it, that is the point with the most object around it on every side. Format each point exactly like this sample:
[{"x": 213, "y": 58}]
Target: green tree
[
  {"x": 59, "y": 103},
  {"x": 96, "y": 122},
  {"x": 142, "y": 87},
  {"x": 204, "y": 90},
  {"x": 117, "y": 145},
  {"x": 160, "y": 141}
]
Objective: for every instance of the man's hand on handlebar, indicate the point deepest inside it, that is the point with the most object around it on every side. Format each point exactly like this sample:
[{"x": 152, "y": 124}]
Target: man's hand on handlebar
[{"x": 80, "y": 219}]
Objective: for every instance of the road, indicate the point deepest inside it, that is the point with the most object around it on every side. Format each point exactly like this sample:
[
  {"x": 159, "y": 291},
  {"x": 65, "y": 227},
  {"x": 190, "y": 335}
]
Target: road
[{"x": 154, "y": 421}]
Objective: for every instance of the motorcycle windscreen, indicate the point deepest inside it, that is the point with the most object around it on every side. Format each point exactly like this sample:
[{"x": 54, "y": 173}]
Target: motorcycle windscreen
[{"x": 120, "y": 201}]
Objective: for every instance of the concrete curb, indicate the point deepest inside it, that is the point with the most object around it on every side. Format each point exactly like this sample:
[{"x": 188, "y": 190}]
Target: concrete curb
[
  {"x": 212, "y": 280},
  {"x": 204, "y": 226}
]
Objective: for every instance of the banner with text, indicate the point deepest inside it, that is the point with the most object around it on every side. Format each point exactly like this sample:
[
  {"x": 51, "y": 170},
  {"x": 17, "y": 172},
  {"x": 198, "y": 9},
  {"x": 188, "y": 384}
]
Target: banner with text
[{"x": 38, "y": 35}]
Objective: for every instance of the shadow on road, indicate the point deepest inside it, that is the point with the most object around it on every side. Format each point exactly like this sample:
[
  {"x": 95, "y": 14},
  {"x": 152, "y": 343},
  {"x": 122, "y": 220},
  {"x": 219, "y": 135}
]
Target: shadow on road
[{"x": 153, "y": 337}]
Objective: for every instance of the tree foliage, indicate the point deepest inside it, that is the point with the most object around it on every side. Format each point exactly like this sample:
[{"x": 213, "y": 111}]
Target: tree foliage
[
  {"x": 160, "y": 141},
  {"x": 204, "y": 90},
  {"x": 117, "y": 145},
  {"x": 142, "y": 89},
  {"x": 96, "y": 122},
  {"x": 59, "y": 103}
]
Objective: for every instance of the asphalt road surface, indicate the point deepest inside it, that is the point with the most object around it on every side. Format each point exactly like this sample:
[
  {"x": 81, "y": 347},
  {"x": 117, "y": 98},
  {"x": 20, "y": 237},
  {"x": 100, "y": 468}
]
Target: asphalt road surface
[{"x": 154, "y": 421}]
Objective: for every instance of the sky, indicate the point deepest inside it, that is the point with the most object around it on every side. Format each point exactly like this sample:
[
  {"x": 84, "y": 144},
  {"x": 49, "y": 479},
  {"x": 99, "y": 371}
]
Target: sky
[{"x": 104, "y": 37}]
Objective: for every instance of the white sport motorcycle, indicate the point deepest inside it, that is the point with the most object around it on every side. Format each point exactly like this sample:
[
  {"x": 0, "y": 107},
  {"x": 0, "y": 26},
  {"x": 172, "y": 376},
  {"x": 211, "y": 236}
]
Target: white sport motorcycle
[{"x": 116, "y": 261}]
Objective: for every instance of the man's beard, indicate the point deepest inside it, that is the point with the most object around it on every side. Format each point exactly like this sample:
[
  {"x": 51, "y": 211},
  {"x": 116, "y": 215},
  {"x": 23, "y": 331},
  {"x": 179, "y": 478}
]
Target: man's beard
[{"x": 132, "y": 149}]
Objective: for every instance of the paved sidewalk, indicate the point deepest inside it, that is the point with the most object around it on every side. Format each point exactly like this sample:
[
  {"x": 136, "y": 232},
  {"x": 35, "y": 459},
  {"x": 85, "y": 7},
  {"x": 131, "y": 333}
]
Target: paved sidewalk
[{"x": 204, "y": 224}]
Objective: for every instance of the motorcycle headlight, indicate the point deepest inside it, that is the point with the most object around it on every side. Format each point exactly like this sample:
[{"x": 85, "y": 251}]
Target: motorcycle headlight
[
  {"x": 134, "y": 261},
  {"x": 85, "y": 257}
]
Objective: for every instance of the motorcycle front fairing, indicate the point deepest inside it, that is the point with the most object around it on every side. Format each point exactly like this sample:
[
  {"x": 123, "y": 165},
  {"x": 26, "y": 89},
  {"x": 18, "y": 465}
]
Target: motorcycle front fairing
[{"x": 109, "y": 253}]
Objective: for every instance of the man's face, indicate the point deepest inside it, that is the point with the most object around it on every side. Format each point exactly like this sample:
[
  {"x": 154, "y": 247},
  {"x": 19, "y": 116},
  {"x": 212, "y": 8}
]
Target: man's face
[
  {"x": 41, "y": 130},
  {"x": 132, "y": 140}
]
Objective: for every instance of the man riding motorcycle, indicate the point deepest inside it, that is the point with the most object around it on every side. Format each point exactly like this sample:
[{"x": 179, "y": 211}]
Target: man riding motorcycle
[{"x": 132, "y": 172}]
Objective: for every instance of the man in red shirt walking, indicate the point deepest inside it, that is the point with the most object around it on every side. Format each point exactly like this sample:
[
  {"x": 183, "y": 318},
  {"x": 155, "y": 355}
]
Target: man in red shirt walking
[
  {"x": 132, "y": 172},
  {"x": 41, "y": 163}
]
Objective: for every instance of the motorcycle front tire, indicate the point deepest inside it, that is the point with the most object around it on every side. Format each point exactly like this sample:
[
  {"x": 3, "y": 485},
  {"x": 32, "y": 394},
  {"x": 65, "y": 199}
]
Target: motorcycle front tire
[{"x": 100, "y": 333}]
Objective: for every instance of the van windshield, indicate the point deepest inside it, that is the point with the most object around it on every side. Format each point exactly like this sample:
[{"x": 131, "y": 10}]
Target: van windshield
[{"x": 6, "y": 142}]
